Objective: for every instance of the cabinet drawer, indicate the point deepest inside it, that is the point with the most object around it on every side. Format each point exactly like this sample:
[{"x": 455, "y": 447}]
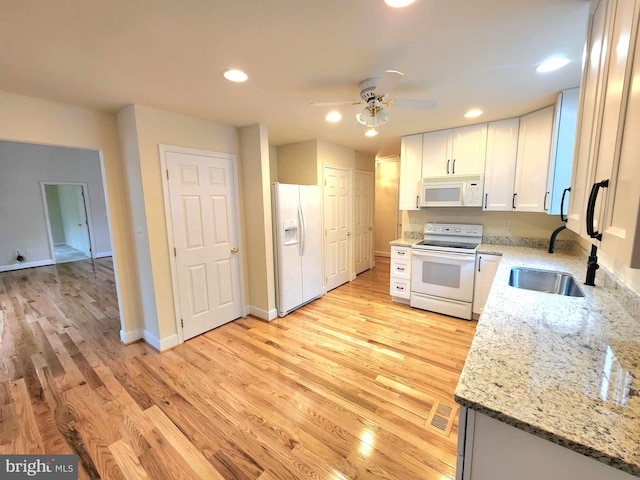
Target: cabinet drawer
[
  {"x": 400, "y": 288},
  {"x": 401, "y": 268},
  {"x": 401, "y": 252}
]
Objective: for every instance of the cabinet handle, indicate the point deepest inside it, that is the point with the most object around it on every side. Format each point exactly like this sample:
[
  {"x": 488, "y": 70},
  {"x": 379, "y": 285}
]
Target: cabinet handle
[
  {"x": 591, "y": 206},
  {"x": 454, "y": 166},
  {"x": 400, "y": 269},
  {"x": 448, "y": 162},
  {"x": 402, "y": 252},
  {"x": 479, "y": 264},
  {"x": 513, "y": 201},
  {"x": 544, "y": 202},
  {"x": 486, "y": 197},
  {"x": 417, "y": 201},
  {"x": 398, "y": 287},
  {"x": 562, "y": 216}
]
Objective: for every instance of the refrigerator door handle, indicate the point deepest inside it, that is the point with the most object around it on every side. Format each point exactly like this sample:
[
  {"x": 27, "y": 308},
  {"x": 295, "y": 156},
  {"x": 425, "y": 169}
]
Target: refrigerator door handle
[{"x": 302, "y": 230}]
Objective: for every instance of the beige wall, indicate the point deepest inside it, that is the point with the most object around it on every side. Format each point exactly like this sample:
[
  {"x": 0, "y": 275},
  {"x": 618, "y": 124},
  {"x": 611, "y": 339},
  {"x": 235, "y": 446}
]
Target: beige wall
[
  {"x": 254, "y": 144},
  {"x": 297, "y": 163},
  {"x": 364, "y": 161},
  {"x": 521, "y": 224},
  {"x": 273, "y": 164},
  {"x": 386, "y": 206},
  {"x": 143, "y": 130},
  {"x": 28, "y": 119}
]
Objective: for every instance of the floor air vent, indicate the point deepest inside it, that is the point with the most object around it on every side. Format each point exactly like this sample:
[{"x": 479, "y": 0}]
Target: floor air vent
[{"x": 441, "y": 417}]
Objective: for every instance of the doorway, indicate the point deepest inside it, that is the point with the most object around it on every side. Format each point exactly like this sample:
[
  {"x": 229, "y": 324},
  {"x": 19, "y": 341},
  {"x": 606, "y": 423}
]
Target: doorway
[{"x": 68, "y": 218}]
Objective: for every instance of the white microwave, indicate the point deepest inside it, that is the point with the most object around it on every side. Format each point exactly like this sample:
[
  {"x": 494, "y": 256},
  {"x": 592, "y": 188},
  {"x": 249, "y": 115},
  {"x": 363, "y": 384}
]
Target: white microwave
[{"x": 448, "y": 191}]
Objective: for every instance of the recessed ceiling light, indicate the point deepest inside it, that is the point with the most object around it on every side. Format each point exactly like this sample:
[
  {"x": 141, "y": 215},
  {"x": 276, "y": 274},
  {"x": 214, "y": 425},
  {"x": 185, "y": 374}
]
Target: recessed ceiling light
[
  {"x": 237, "y": 76},
  {"x": 372, "y": 132},
  {"x": 474, "y": 112},
  {"x": 552, "y": 64},
  {"x": 333, "y": 117},
  {"x": 399, "y": 3}
]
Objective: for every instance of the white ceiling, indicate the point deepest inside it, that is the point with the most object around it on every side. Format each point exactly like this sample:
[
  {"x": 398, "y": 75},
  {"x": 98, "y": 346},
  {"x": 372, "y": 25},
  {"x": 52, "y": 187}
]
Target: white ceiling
[{"x": 170, "y": 54}]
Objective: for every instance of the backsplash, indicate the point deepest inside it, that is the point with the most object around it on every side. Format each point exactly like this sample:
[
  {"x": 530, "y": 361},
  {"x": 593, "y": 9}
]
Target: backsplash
[
  {"x": 414, "y": 235},
  {"x": 565, "y": 246}
]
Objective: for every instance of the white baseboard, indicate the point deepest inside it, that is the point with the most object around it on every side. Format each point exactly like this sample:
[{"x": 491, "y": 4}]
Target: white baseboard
[
  {"x": 20, "y": 266},
  {"x": 263, "y": 314},
  {"x": 161, "y": 344},
  {"x": 132, "y": 336},
  {"x": 382, "y": 254},
  {"x": 103, "y": 254}
]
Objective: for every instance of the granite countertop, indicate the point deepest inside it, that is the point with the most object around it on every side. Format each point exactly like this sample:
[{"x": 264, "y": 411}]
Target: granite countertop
[
  {"x": 405, "y": 241},
  {"x": 566, "y": 369}
]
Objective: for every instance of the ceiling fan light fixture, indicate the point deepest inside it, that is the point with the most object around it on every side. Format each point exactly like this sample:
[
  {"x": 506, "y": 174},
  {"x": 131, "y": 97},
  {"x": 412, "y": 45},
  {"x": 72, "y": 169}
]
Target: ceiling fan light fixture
[
  {"x": 333, "y": 116},
  {"x": 399, "y": 3},
  {"x": 372, "y": 132},
  {"x": 551, "y": 64},
  {"x": 372, "y": 118},
  {"x": 237, "y": 76}
]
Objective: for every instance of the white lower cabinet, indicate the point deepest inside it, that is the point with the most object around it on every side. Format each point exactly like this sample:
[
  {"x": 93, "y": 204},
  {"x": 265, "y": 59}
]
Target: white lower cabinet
[
  {"x": 400, "y": 274},
  {"x": 492, "y": 450},
  {"x": 486, "y": 268}
]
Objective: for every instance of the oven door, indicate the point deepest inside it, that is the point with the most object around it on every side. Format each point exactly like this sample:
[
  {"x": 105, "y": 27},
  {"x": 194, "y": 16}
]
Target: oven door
[{"x": 443, "y": 274}]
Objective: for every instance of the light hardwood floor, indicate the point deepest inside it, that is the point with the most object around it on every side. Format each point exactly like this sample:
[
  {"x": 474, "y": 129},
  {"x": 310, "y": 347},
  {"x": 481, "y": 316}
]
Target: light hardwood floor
[{"x": 344, "y": 388}]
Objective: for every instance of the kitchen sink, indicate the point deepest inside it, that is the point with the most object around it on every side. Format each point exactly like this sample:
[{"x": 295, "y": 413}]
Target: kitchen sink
[{"x": 548, "y": 281}]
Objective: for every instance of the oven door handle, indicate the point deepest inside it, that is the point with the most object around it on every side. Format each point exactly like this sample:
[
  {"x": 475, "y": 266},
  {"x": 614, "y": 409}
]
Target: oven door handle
[{"x": 470, "y": 257}]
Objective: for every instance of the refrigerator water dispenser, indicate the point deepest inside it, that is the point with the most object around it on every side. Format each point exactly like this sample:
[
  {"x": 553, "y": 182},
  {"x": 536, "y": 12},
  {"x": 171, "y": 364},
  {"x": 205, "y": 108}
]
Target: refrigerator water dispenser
[{"x": 290, "y": 236}]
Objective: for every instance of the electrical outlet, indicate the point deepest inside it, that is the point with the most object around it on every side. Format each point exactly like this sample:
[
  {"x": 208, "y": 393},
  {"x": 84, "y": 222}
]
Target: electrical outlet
[
  {"x": 413, "y": 221},
  {"x": 506, "y": 224}
]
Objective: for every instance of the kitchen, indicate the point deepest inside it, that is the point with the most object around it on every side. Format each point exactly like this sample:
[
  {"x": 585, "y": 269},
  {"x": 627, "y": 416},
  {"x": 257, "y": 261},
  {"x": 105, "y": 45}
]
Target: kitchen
[{"x": 151, "y": 263}]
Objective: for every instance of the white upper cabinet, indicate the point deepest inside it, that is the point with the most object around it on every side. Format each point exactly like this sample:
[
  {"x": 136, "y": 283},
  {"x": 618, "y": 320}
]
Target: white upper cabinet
[
  {"x": 410, "y": 172},
  {"x": 458, "y": 151},
  {"x": 562, "y": 155},
  {"x": 588, "y": 111},
  {"x": 500, "y": 167},
  {"x": 437, "y": 150},
  {"x": 532, "y": 164},
  {"x": 606, "y": 167}
]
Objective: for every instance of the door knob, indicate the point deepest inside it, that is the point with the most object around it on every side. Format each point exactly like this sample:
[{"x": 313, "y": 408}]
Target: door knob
[
  {"x": 348, "y": 234},
  {"x": 234, "y": 250}
]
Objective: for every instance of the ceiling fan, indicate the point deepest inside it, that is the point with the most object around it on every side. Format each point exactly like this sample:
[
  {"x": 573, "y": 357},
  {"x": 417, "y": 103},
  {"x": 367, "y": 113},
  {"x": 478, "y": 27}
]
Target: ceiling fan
[{"x": 374, "y": 95}]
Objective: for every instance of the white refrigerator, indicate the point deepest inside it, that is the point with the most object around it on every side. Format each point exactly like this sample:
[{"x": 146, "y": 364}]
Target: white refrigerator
[{"x": 297, "y": 218}]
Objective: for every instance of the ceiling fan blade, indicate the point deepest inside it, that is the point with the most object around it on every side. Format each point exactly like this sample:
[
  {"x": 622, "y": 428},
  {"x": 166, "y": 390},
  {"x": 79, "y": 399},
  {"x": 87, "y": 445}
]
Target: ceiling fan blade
[
  {"x": 389, "y": 80},
  {"x": 420, "y": 104},
  {"x": 331, "y": 104}
]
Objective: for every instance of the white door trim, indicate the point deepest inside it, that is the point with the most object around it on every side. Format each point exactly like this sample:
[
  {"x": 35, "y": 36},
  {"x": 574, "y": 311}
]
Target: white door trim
[
  {"x": 164, "y": 150},
  {"x": 87, "y": 204}
]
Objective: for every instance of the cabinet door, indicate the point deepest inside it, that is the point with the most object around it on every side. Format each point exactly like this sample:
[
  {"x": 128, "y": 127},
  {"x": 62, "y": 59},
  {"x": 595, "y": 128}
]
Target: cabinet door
[
  {"x": 436, "y": 153},
  {"x": 500, "y": 168},
  {"x": 562, "y": 158},
  {"x": 532, "y": 164},
  {"x": 588, "y": 112},
  {"x": 621, "y": 235},
  {"x": 469, "y": 150},
  {"x": 410, "y": 172},
  {"x": 486, "y": 268},
  {"x": 615, "y": 88}
]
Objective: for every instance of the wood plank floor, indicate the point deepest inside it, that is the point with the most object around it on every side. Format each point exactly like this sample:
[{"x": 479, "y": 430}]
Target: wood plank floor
[{"x": 344, "y": 388}]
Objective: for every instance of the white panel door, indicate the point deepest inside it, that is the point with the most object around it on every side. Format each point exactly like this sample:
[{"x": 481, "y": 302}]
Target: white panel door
[
  {"x": 202, "y": 206},
  {"x": 363, "y": 221},
  {"x": 337, "y": 226}
]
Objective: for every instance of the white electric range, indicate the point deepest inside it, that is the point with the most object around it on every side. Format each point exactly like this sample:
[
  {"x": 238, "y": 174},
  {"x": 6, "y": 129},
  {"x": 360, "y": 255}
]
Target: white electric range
[{"x": 443, "y": 269}]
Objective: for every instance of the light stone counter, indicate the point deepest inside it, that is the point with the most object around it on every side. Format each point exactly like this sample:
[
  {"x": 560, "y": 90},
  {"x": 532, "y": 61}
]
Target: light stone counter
[
  {"x": 405, "y": 242},
  {"x": 563, "y": 368}
]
